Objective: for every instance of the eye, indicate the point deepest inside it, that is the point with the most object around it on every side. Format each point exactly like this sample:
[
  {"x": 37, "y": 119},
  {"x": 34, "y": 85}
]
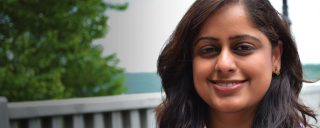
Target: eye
[
  {"x": 243, "y": 49},
  {"x": 209, "y": 51}
]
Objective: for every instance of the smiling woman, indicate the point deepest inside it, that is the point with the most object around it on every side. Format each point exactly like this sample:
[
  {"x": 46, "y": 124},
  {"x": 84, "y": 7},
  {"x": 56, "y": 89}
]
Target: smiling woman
[
  {"x": 231, "y": 63},
  {"x": 235, "y": 65}
]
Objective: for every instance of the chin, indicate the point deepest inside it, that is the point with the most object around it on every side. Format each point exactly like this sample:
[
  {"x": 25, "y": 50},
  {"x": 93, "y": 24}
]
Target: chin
[{"x": 229, "y": 107}]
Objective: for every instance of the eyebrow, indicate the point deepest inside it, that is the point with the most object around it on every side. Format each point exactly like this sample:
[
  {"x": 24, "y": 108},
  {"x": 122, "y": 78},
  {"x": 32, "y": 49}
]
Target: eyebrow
[
  {"x": 210, "y": 38},
  {"x": 244, "y": 37},
  {"x": 232, "y": 38}
]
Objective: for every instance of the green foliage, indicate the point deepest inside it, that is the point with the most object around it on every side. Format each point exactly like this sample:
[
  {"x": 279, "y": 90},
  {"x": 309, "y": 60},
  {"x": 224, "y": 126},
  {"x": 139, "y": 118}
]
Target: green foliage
[{"x": 46, "y": 50}]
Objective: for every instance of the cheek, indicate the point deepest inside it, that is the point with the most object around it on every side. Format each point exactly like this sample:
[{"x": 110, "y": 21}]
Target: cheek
[
  {"x": 202, "y": 69},
  {"x": 258, "y": 68},
  {"x": 260, "y": 72}
]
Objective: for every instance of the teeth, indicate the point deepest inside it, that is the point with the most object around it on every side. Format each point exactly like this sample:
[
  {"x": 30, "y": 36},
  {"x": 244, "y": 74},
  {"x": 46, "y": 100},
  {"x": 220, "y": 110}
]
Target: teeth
[{"x": 226, "y": 84}]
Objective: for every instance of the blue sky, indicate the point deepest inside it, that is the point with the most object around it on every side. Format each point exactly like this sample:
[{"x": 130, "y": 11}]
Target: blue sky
[{"x": 138, "y": 34}]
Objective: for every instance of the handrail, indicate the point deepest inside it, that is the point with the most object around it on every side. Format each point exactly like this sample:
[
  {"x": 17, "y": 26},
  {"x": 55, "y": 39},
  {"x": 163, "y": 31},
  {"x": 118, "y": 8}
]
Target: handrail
[{"x": 19, "y": 110}]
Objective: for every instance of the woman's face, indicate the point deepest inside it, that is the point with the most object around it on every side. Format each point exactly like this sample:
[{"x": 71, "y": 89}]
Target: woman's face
[{"x": 232, "y": 61}]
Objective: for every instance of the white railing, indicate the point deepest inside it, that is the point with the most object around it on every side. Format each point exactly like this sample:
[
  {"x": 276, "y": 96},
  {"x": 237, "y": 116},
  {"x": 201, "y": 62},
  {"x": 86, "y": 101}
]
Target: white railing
[
  {"x": 310, "y": 95},
  {"x": 124, "y": 111}
]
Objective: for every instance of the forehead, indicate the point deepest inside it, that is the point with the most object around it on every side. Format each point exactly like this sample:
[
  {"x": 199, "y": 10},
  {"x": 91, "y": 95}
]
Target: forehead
[
  {"x": 229, "y": 20},
  {"x": 232, "y": 14}
]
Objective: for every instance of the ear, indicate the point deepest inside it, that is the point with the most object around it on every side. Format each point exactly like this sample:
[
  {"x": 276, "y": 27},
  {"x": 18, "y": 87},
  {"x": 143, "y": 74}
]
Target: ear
[{"x": 276, "y": 57}]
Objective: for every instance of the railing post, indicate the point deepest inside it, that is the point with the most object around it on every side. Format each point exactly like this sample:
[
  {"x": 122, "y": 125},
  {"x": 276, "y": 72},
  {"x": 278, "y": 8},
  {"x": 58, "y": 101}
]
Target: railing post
[{"x": 4, "y": 116}]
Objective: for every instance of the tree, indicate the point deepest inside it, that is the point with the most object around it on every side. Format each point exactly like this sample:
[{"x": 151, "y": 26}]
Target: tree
[{"x": 46, "y": 50}]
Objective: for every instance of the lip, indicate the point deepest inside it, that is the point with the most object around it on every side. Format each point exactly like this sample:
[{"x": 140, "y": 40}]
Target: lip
[{"x": 226, "y": 86}]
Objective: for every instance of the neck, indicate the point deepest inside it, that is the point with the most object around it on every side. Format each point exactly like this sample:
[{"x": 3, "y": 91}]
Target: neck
[{"x": 241, "y": 119}]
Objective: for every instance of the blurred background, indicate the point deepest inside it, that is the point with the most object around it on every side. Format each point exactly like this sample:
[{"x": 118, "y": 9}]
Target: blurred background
[
  {"x": 138, "y": 34},
  {"x": 71, "y": 61},
  {"x": 97, "y": 48}
]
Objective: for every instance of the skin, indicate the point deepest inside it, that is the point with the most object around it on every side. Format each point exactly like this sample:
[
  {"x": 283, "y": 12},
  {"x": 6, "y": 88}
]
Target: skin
[{"x": 230, "y": 50}]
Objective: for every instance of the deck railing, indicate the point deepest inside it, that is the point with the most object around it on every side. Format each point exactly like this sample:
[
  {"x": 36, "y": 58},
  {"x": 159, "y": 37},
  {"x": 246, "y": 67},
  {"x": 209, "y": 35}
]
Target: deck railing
[{"x": 123, "y": 111}]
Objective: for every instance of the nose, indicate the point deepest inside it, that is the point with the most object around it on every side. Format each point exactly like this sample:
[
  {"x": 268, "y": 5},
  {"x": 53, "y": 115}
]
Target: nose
[{"x": 225, "y": 62}]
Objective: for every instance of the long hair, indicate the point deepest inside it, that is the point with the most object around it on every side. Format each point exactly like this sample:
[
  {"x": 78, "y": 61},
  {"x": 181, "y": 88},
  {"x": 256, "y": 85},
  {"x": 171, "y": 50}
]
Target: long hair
[{"x": 182, "y": 106}]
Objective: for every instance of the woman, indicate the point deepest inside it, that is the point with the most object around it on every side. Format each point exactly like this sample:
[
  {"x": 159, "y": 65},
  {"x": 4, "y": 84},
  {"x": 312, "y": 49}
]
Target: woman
[{"x": 231, "y": 63}]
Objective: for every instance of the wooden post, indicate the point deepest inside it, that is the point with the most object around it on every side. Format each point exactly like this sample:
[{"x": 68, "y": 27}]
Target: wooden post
[{"x": 4, "y": 118}]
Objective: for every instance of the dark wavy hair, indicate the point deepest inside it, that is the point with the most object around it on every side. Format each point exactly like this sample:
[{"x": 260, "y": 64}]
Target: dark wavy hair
[{"x": 182, "y": 106}]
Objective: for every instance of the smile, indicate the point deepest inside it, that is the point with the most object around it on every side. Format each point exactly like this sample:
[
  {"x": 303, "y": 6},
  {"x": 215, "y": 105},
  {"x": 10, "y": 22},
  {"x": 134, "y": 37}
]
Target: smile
[{"x": 226, "y": 84}]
